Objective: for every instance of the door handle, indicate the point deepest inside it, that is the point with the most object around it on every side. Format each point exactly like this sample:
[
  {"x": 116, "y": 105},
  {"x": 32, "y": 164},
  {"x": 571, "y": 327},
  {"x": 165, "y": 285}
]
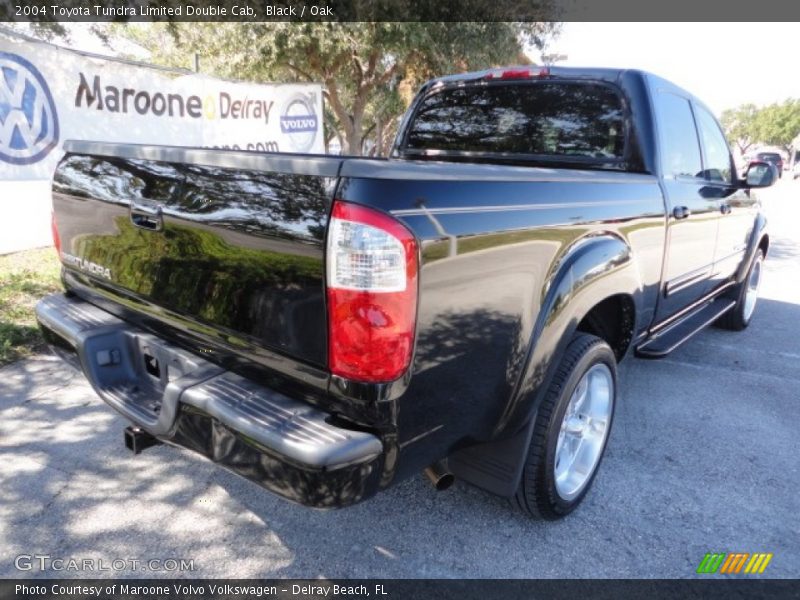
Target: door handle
[
  {"x": 681, "y": 212},
  {"x": 147, "y": 217},
  {"x": 725, "y": 209}
]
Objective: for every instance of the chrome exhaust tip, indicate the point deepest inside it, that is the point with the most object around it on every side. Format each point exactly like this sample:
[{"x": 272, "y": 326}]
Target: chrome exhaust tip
[{"x": 440, "y": 476}]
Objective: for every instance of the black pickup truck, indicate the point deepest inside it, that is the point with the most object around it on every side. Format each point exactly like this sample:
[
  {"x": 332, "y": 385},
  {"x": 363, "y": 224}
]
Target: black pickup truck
[{"x": 327, "y": 326}]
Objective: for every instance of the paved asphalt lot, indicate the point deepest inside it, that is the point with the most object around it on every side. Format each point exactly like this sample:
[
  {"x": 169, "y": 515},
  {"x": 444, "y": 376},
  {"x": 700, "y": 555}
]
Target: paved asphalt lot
[{"x": 703, "y": 457}]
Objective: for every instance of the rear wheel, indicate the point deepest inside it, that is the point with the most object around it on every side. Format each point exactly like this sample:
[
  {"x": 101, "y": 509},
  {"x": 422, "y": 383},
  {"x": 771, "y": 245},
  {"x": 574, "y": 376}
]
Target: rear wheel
[
  {"x": 571, "y": 430},
  {"x": 738, "y": 317}
]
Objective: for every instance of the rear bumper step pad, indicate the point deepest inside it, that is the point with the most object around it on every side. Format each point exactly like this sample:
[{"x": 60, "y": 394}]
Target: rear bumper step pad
[{"x": 179, "y": 397}]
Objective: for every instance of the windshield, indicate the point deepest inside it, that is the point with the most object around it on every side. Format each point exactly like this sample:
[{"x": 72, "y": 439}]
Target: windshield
[{"x": 545, "y": 119}]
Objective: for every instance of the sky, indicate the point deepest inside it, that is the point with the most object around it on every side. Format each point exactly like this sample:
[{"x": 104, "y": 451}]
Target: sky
[{"x": 724, "y": 64}]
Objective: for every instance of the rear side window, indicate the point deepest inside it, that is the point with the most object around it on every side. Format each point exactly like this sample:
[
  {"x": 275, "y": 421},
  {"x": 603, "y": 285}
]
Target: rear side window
[
  {"x": 680, "y": 148},
  {"x": 550, "y": 119}
]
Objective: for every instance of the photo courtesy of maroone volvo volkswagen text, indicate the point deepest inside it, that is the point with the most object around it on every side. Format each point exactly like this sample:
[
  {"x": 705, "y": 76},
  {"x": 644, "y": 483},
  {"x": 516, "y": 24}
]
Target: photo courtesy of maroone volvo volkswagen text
[{"x": 328, "y": 326}]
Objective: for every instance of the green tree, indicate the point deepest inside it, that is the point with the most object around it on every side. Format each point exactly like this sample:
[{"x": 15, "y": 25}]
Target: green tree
[
  {"x": 740, "y": 125},
  {"x": 775, "y": 125},
  {"x": 368, "y": 70},
  {"x": 778, "y": 124}
]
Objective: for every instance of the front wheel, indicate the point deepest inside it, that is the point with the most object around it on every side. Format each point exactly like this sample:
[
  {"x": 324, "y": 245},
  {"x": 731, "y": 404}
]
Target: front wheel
[
  {"x": 571, "y": 430},
  {"x": 738, "y": 317}
]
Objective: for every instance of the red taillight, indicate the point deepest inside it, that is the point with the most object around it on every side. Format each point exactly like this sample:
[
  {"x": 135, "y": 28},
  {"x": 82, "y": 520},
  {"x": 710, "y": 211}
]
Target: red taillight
[
  {"x": 372, "y": 294},
  {"x": 56, "y": 237},
  {"x": 521, "y": 73}
]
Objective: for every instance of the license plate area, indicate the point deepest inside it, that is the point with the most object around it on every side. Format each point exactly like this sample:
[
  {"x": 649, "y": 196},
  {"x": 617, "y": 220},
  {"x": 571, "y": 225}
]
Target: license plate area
[
  {"x": 160, "y": 362},
  {"x": 142, "y": 375},
  {"x": 152, "y": 366}
]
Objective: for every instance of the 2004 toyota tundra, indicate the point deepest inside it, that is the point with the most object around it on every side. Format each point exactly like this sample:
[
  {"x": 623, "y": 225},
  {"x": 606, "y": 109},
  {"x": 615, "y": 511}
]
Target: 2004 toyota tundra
[{"x": 327, "y": 326}]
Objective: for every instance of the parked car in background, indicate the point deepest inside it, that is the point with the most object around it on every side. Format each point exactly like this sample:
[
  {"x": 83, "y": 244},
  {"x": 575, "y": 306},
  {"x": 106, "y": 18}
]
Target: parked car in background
[{"x": 773, "y": 158}]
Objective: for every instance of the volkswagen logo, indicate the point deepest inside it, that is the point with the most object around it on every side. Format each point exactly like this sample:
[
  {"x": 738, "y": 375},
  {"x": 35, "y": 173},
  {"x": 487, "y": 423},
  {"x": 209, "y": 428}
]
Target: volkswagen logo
[
  {"x": 28, "y": 120},
  {"x": 299, "y": 121}
]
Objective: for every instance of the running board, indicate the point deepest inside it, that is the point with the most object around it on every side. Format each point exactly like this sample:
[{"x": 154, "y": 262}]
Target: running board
[{"x": 668, "y": 339}]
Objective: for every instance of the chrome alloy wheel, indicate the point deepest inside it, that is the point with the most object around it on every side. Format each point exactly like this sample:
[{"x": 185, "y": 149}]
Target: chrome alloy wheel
[
  {"x": 753, "y": 283},
  {"x": 583, "y": 431}
]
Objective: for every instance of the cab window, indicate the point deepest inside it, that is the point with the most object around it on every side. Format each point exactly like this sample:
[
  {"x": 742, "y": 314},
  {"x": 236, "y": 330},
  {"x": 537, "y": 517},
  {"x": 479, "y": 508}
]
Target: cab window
[
  {"x": 717, "y": 154},
  {"x": 680, "y": 149}
]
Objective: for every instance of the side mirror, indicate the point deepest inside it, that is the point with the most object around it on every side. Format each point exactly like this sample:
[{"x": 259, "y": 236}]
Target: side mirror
[{"x": 760, "y": 175}]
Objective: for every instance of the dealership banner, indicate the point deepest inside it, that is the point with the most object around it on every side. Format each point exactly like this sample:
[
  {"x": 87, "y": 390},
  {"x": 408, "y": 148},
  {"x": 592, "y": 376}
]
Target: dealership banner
[{"x": 50, "y": 94}]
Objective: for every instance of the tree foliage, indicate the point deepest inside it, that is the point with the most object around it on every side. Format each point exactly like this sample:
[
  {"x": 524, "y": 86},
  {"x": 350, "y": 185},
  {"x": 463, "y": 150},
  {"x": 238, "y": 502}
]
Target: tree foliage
[
  {"x": 369, "y": 71},
  {"x": 48, "y": 30},
  {"x": 739, "y": 125},
  {"x": 776, "y": 124}
]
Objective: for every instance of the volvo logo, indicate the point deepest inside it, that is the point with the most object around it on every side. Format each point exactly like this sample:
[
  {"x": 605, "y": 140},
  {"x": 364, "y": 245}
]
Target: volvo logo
[
  {"x": 299, "y": 121},
  {"x": 28, "y": 119}
]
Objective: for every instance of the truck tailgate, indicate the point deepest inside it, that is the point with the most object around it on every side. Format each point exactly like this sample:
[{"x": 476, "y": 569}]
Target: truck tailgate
[{"x": 232, "y": 241}]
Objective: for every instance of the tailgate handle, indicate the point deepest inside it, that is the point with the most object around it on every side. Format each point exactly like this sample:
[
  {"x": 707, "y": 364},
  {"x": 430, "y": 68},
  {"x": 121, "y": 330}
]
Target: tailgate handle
[{"x": 147, "y": 217}]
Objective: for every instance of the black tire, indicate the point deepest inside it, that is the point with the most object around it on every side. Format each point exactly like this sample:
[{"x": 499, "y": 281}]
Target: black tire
[
  {"x": 537, "y": 494},
  {"x": 737, "y": 319}
]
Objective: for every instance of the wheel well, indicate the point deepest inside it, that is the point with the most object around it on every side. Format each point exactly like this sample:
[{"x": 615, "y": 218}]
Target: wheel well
[
  {"x": 612, "y": 320},
  {"x": 763, "y": 243}
]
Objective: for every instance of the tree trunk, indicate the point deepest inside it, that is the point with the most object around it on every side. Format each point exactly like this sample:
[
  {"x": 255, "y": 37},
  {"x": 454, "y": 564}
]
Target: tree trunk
[
  {"x": 389, "y": 133},
  {"x": 355, "y": 142},
  {"x": 355, "y": 133}
]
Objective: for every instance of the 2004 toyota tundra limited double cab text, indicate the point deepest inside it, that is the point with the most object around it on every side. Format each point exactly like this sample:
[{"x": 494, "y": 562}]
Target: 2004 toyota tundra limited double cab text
[{"x": 327, "y": 326}]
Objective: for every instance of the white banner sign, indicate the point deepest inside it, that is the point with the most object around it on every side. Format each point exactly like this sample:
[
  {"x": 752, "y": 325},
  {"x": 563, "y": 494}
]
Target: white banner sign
[{"x": 50, "y": 94}]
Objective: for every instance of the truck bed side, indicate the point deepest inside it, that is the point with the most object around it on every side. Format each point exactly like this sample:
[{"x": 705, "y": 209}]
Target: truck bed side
[{"x": 504, "y": 274}]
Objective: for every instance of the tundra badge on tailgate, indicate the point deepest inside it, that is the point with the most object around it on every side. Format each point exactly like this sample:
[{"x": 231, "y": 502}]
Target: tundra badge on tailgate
[{"x": 85, "y": 265}]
